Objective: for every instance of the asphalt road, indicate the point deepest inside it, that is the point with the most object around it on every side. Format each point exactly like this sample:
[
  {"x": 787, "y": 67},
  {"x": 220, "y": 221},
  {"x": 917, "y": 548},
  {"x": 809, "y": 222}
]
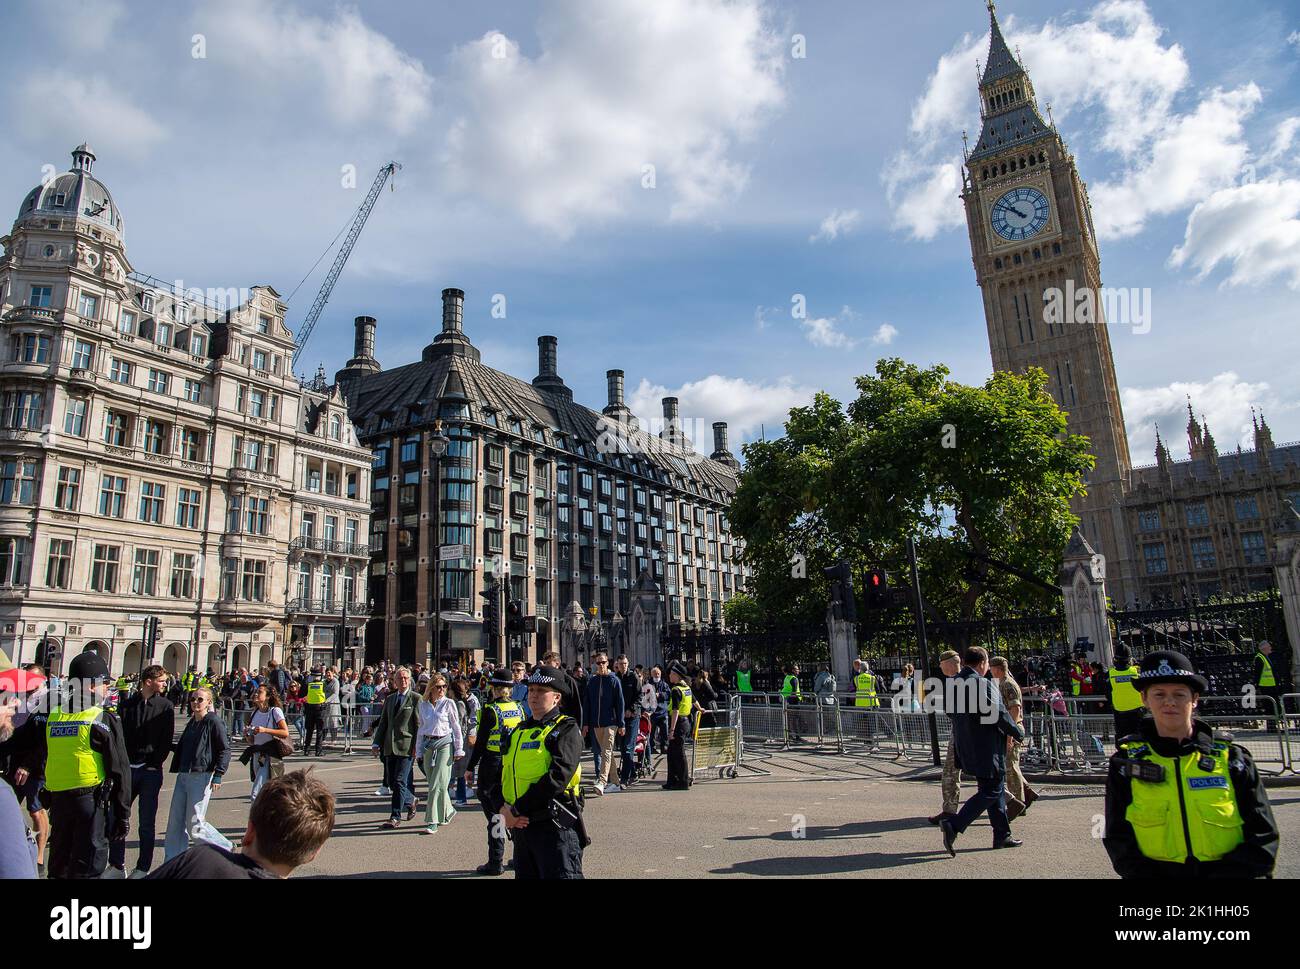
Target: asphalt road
[{"x": 812, "y": 816}]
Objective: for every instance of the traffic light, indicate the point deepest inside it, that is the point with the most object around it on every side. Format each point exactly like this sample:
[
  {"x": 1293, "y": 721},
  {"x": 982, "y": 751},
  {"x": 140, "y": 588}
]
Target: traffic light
[
  {"x": 876, "y": 592},
  {"x": 514, "y": 616},
  {"x": 842, "y": 602},
  {"x": 153, "y": 633},
  {"x": 491, "y": 610}
]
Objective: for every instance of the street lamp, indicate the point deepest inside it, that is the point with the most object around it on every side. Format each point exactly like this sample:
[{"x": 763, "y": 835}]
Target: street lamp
[{"x": 438, "y": 444}]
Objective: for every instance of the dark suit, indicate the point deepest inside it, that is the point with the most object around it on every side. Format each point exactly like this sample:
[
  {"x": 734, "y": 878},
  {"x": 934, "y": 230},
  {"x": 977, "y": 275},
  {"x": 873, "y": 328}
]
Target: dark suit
[
  {"x": 395, "y": 737},
  {"x": 980, "y": 739}
]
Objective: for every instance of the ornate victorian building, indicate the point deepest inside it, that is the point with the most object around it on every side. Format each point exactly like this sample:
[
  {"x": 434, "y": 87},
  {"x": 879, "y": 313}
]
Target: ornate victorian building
[
  {"x": 577, "y": 504},
  {"x": 158, "y": 457}
]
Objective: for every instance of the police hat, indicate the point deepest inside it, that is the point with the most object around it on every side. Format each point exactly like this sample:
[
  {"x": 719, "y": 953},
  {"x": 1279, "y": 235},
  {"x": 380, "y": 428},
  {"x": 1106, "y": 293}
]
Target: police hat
[
  {"x": 549, "y": 677},
  {"x": 501, "y": 677},
  {"x": 1167, "y": 666},
  {"x": 677, "y": 667},
  {"x": 88, "y": 667}
]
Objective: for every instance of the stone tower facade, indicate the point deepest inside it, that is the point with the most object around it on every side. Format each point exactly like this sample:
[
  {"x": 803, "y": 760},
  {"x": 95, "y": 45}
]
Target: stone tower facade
[{"x": 1037, "y": 262}]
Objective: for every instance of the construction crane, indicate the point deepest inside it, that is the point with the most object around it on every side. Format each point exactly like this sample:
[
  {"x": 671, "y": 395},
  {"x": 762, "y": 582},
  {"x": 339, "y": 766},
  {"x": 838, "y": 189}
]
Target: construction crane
[{"x": 354, "y": 232}]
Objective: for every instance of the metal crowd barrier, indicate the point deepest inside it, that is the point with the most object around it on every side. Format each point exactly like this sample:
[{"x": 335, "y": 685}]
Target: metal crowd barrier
[{"x": 717, "y": 747}]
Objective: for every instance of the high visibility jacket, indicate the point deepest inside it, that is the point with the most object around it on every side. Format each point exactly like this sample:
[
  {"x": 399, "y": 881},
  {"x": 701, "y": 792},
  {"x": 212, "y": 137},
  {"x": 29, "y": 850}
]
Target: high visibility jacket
[
  {"x": 187, "y": 682},
  {"x": 1266, "y": 677},
  {"x": 1195, "y": 801},
  {"x": 527, "y": 760},
  {"x": 864, "y": 685},
  {"x": 1077, "y": 675},
  {"x": 316, "y": 691},
  {"x": 1124, "y": 696},
  {"x": 509, "y": 715},
  {"x": 743, "y": 684},
  {"x": 681, "y": 700},
  {"x": 70, "y": 762},
  {"x": 790, "y": 687},
  {"x": 123, "y": 684}
]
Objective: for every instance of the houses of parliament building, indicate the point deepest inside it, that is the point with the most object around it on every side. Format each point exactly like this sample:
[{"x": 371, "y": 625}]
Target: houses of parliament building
[{"x": 1179, "y": 528}]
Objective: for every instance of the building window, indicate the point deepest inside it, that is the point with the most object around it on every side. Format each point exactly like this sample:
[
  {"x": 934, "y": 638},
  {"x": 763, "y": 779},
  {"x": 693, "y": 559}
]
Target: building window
[
  {"x": 83, "y": 354},
  {"x": 519, "y": 546},
  {"x": 191, "y": 444},
  {"x": 88, "y": 306},
  {"x": 254, "y": 581},
  {"x": 494, "y": 497},
  {"x": 126, "y": 322},
  {"x": 17, "y": 481},
  {"x": 58, "y": 567},
  {"x": 103, "y": 568},
  {"x": 1198, "y": 514},
  {"x": 410, "y": 451},
  {"x": 259, "y": 360},
  {"x": 336, "y": 427},
  {"x": 30, "y": 348},
  {"x": 41, "y": 297},
  {"x": 327, "y": 585},
  {"x": 193, "y": 391},
  {"x": 155, "y": 437},
  {"x": 187, "y": 507},
  {"x": 229, "y": 577},
  {"x": 115, "y": 429},
  {"x": 235, "y": 513},
  {"x": 1149, "y": 520},
  {"x": 584, "y": 481},
  {"x": 263, "y": 324},
  {"x": 112, "y": 496},
  {"x": 257, "y": 516},
  {"x": 159, "y": 381},
  {"x": 1253, "y": 548},
  {"x": 152, "y": 497},
  {"x": 68, "y": 489},
  {"x": 23, "y": 409},
  {"x": 1247, "y": 508},
  {"x": 196, "y": 344},
  {"x": 519, "y": 505},
  {"x": 495, "y": 457},
  {"x": 1155, "y": 559},
  {"x": 120, "y": 371},
  {"x": 182, "y": 584},
  {"x": 492, "y": 540},
  {"x": 163, "y": 335},
  {"x": 302, "y": 585},
  {"x": 144, "y": 580},
  {"x": 1203, "y": 556}
]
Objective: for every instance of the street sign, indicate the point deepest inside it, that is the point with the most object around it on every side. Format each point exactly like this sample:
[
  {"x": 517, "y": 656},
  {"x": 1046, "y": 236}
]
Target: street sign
[
  {"x": 453, "y": 553},
  {"x": 137, "y": 616}
]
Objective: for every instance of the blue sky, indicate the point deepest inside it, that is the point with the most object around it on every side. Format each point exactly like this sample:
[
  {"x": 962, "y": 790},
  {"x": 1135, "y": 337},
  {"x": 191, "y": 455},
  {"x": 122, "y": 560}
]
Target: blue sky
[{"x": 525, "y": 128}]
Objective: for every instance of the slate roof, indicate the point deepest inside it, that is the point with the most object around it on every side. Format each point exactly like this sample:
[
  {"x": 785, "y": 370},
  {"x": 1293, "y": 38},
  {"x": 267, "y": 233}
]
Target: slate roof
[
  {"x": 1230, "y": 463},
  {"x": 1018, "y": 125},
  {"x": 407, "y": 396},
  {"x": 1001, "y": 63}
]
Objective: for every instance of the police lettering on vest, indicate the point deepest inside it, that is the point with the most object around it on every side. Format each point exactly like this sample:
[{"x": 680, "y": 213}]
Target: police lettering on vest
[
  {"x": 527, "y": 760},
  {"x": 1193, "y": 798},
  {"x": 1124, "y": 696},
  {"x": 865, "y": 687},
  {"x": 509, "y": 715},
  {"x": 681, "y": 700},
  {"x": 71, "y": 763},
  {"x": 316, "y": 691}
]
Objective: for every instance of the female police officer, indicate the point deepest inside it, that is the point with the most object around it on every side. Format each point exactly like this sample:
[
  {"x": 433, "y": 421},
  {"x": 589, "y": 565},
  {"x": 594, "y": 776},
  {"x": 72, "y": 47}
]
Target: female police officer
[
  {"x": 496, "y": 720},
  {"x": 541, "y": 782},
  {"x": 680, "y": 703},
  {"x": 1182, "y": 800}
]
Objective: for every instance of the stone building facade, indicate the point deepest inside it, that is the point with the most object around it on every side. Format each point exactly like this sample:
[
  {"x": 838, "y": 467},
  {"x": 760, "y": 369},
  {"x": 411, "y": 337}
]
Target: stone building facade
[
  {"x": 159, "y": 458},
  {"x": 577, "y": 504}
]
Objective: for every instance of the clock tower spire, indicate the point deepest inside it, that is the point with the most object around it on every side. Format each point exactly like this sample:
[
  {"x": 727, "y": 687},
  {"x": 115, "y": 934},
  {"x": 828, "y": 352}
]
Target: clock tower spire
[{"x": 1038, "y": 265}]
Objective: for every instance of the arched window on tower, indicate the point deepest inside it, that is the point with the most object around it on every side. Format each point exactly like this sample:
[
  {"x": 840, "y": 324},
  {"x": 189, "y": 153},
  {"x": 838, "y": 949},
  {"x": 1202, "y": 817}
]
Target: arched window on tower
[{"x": 997, "y": 263}]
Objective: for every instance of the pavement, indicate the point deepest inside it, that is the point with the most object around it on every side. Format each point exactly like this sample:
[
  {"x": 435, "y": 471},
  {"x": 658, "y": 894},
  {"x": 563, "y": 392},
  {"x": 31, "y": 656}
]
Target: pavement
[{"x": 812, "y": 815}]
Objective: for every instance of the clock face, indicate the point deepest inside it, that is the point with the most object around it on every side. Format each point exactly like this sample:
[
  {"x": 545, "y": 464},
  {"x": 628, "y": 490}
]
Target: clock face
[{"x": 1020, "y": 214}]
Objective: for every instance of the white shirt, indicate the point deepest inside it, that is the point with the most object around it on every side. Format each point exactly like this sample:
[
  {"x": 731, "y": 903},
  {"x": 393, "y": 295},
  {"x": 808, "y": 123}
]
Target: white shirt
[{"x": 439, "y": 720}]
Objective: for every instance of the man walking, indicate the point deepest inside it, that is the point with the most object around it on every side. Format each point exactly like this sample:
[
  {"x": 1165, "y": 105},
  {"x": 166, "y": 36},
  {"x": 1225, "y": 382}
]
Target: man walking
[
  {"x": 631, "y": 688},
  {"x": 148, "y": 724},
  {"x": 949, "y": 665},
  {"x": 394, "y": 738},
  {"x": 1019, "y": 794},
  {"x": 604, "y": 710},
  {"x": 979, "y": 725}
]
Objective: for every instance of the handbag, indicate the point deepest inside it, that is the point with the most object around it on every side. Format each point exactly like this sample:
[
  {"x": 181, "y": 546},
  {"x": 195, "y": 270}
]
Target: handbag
[{"x": 281, "y": 748}]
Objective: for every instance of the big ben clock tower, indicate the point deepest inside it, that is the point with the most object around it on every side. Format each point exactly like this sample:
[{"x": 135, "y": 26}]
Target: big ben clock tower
[{"x": 1031, "y": 235}]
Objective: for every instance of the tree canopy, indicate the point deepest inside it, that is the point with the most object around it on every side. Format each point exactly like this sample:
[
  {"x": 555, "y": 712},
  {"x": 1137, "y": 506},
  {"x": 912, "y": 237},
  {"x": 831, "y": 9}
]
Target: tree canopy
[{"x": 974, "y": 473}]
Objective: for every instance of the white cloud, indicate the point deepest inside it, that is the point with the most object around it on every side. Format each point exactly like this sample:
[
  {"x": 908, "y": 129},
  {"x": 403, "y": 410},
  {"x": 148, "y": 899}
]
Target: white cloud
[
  {"x": 836, "y": 224},
  {"x": 1255, "y": 228},
  {"x": 825, "y": 331},
  {"x": 884, "y": 335},
  {"x": 348, "y": 71},
  {"x": 1294, "y": 39},
  {"x": 1224, "y": 400},
  {"x": 83, "y": 24},
  {"x": 745, "y": 405},
  {"x": 563, "y": 136},
  {"x": 56, "y": 106},
  {"x": 1283, "y": 139},
  {"x": 764, "y": 313},
  {"x": 1111, "y": 70}
]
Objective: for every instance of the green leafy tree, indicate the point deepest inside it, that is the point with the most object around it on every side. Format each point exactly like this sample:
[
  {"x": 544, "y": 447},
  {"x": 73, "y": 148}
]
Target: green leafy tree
[{"x": 977, "y": 474}]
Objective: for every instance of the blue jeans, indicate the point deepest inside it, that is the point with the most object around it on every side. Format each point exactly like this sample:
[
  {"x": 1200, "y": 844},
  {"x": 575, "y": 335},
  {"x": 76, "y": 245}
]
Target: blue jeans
[
  {"x": 189, "y": 808},
  {"x": 145, "y": 785},
  {"x": 627, "y": 769},
  {"x": 401, "y": 778}
]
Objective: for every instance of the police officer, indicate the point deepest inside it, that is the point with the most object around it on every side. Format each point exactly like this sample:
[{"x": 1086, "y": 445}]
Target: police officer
[
  {"x": 744, "y": 679},
  {"x": 313, "y": 710},
  {"x": 793, "y": 696},
  {"x": 189, "y": 683},
  {"x": 1125, "y": 700},
  {"x": 496, "y": 720},
  {"x": 1265, "y": 679},
  {"x": 1183, "y": 800},
  {"x": 541, "y": 783},
  {"x": 864, "y": 685},
  {"x": 680, "y": 703},
  {"x": 86, "y": 771}
]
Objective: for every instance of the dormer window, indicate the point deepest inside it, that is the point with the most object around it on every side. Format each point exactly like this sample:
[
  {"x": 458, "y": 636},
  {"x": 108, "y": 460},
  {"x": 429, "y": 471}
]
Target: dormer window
[
  {"x": 263, "y": 324},
  {"x": 60, "y": 200},
  {"x": 336, "y": 427},
  {"x": 146, "y": 302}
]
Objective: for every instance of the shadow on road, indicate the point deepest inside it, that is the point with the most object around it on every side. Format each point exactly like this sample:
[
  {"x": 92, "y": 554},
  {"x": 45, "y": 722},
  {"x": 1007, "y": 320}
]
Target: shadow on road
[
  {"x": 854, "y": 829},
  {"x": 793, "y": 867}
]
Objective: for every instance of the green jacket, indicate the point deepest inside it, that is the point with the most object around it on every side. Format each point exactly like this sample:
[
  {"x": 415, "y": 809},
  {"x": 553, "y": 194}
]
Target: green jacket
[{"x": 395, "y": 732}]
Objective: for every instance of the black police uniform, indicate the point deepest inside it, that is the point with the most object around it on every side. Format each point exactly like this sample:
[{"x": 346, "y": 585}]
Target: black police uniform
[
  {"x": 548, "y": 847},
  {"x": 679, "y": 773},
  {"x": 488, "y": 786}
]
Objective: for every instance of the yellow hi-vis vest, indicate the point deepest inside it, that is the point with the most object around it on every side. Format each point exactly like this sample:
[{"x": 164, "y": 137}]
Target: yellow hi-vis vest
[
  {"x": 790, "y": 687},
  {"x": 742, "y": 682},
  {"x": 683, "y": 706},
  {"x": 1190, "y": 802},
  {"x": 316, "y": 691},
  {"x": 1076, "y": 686},
  {"x": 187, "y": 682},
  {"x": 70, "y": 763},
  {"x": 122, "y": 684},
  {"x": 1124, "y": 696},
  {"x": 527, "y": 760},
  {"x": 864, "y": 685},
  {"x": 1266, "y": 677},
  {"x": 509, "y": 715}
]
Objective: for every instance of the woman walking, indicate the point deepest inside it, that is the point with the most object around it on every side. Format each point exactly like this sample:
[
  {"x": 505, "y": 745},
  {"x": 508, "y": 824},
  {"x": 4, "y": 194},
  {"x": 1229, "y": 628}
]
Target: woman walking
[
  {"x": 200, "y": 759},
  {"x": 266, "y": 726},
  {"x": 365, "y": 697},
  {"x": 469, "y": 703},
  {"x": 438, "y": 741}
]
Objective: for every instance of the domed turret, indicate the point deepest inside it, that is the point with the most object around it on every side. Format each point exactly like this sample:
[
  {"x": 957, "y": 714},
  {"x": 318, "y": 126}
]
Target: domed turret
[{"x": 76, "y": 194}]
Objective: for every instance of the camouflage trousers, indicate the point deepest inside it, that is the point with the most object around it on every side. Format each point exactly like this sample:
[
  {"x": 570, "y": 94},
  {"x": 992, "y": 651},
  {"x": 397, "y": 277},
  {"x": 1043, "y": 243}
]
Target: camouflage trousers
[{"x": 951, "y": 781}]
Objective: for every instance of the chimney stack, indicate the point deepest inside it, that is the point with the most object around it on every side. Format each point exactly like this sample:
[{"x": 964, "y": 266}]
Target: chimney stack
[
  {"x": 363, "y": 346},
  {"x": 670, "y": 410},
  {"x": 363, "y": 360},
  {"x": 548, "y": 378},
  {"x": 453, "y": 310},
  {"x": 614, "y": 385},
  {"x": 721, "y": 453},
  {"x": 451, "y": 339},
  {"x": 672, "y": 431}
]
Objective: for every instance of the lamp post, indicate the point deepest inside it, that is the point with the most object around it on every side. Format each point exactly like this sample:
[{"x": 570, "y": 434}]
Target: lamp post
[{"x": 438, "y": 444}]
